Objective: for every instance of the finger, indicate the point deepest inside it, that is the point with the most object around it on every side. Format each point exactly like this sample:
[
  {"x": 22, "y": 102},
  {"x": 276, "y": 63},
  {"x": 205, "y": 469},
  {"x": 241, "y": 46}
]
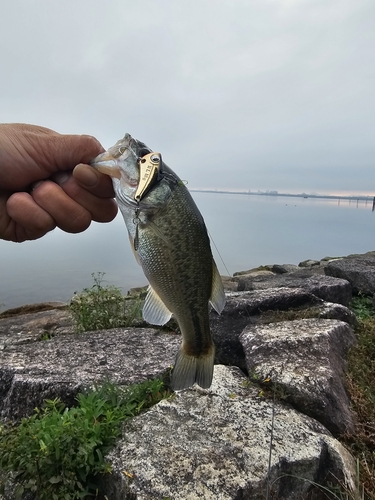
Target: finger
[
  {"x": 28, "y": 221},
  {"x": 68, "y": 215},
  {"x": 101, "y": 209},
  {"x": 65, "y": 151},
  {"x": 97, "y": 183}
]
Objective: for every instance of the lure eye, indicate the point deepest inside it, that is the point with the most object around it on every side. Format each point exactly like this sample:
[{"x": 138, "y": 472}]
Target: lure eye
[{"x": 155, "y": 158}]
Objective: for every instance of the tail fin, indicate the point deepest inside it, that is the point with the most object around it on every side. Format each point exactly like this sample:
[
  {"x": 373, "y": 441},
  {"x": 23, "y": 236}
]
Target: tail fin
[{"x": 189, "y": 370}]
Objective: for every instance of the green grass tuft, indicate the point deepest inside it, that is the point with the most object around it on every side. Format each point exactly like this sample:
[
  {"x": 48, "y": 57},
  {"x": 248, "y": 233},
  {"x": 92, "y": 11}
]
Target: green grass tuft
[
  {"x": 102, "y": 307},
  {"x": 58, "y": 453},
  {"x": 361, "y": 388}
]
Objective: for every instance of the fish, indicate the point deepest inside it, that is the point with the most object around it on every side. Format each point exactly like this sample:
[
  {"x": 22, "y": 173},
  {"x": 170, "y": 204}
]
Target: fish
[{"x": 170, "y": 241}]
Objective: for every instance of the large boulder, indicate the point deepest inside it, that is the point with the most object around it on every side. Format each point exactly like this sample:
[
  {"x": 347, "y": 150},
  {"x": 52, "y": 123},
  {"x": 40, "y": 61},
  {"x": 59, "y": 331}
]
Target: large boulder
[
  {"x": 32, "y": 324},
  {"x": 265, "y": 306},
  {"x": 225, "y": 443},
  {"x": 327, "y": 288},
  {"x": 241, "y": 309},
  {"x": 359, "y": 270},
  {"x": 306, "y": 360},
  {"x": 65, "y": 364}
]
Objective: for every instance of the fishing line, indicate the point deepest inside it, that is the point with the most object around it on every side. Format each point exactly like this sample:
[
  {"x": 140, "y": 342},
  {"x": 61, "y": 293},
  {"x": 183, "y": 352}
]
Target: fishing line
[{"x": 221, "y": 258}]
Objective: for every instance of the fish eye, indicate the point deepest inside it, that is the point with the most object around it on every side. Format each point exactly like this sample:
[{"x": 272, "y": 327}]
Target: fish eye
[
  {"x": 143, "y": 152},
  {"x": 122, "y": 150}
]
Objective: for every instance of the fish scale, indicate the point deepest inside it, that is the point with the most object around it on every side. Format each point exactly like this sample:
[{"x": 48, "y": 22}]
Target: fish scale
[{"x": 170, "y": 241}]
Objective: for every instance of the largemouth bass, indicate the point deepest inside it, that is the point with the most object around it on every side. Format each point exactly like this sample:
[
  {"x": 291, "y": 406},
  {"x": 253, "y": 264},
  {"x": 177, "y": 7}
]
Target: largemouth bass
[{"x": 170, "y": 241}]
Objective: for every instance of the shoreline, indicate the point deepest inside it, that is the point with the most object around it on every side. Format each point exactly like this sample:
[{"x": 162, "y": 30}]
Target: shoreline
[{"x": 367, "y": 198}]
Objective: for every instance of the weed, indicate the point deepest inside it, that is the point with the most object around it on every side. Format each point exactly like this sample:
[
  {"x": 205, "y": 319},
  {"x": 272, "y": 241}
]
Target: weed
[
  {"x": 58, "y": 453},
  {"x": 360, "y": 385},
  {"x": 101, "y": 307},
  {"x": 275, "y": 316}
]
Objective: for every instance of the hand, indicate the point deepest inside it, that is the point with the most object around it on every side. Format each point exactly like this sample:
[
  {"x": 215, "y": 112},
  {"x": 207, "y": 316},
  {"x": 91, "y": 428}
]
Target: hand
[{"x": 45, "y": 182}]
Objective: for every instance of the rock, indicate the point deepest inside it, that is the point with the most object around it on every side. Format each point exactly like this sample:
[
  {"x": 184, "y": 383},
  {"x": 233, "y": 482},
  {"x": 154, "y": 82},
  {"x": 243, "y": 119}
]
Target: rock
[
  {"x": 255, "y": 274},
  {"x": 33, "y": 308},
  {"x": 284, "y": 268},
  {"x": 359, "y": 270},
  {"x": 325, "y": 287},
  {"x": 253, "y": 270},
  {"x": 229, "y": 283},
  {"x": 337, "y": 311},
  {"x": 65, "y": 364},
  {"x": 240, "y": 310},
  {"x": 323, "y": 310},
  {"x": 215, "y": 444},
  {"x": 27, "y": 328},
  {"x": 309, "y": 263},
  {"x": 306, "y": 359}
]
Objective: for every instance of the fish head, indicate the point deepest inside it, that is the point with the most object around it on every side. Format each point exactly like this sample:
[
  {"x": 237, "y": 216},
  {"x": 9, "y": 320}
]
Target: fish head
[{"x": 132, "y": 166}]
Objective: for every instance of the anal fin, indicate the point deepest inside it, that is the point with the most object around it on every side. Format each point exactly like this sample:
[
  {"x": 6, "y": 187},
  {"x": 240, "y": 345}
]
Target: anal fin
[{"x": 217, "y": 299}]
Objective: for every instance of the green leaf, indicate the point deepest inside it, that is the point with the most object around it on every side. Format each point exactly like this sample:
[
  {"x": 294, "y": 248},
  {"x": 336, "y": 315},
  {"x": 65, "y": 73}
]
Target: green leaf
[{"x": 55, "y": 479}]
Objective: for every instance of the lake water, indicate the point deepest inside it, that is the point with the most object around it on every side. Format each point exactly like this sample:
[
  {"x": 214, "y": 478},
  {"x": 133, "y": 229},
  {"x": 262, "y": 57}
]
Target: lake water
[{"x": 248, "y": 231}]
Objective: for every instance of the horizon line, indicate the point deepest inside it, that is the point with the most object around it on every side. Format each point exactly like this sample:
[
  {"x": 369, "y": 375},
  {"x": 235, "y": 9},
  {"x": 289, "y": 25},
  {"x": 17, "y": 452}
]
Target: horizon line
[{"x": 277, "y": 193}]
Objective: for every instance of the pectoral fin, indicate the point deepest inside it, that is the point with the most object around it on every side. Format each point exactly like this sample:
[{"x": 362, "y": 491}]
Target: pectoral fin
[
  {"x": 217, "y": 299},
  {"x": 154, "y": 310}
]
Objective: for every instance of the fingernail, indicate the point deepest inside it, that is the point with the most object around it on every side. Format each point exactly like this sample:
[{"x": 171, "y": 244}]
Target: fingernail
[
  {"x": 61, "y": 177},
  {"x": 34, "y": 185}
]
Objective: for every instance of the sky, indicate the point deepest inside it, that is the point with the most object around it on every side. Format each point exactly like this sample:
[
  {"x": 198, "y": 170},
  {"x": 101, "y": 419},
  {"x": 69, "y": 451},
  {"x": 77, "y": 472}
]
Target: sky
[{"x": 235, "y": 94}]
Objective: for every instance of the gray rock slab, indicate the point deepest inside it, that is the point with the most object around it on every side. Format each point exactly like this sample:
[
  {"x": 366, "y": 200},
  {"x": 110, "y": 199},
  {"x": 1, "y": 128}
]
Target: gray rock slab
[
  {"x": 306, "y": 359},
  {"x": 240, "y": 310},
  {"x": 27, "y": 328},
  {"x": 328, "y": 288},
  {"x": 63, "y": 365},
  {"x": 214, "y": 444},
  {"x": 284, "y": 268},
  {"x": 330, "y": 310},
  {"x": 33, "y": 308},
  {"x": 359, "y": 270},
  {"x": 324, "y": 310},
  {"x": 309, "y": 263}
]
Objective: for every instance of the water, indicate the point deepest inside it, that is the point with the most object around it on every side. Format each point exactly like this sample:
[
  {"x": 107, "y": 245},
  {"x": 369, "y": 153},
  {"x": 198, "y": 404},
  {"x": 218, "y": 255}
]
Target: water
[{"x": 248, "y": 231}]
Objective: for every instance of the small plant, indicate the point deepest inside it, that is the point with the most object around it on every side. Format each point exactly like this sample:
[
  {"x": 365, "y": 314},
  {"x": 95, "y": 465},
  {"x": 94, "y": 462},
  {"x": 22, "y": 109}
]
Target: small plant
[
  {"x": 362, "y": 307},
  {"x": 360, "y": 384},
  {"x": 101, "y": 307},
  {"x": 58, "y": 453}
]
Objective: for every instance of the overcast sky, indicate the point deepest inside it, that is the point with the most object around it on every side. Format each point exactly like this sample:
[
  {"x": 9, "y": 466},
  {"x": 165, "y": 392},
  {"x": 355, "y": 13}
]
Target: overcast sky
[{"x": 237, "y": 94}]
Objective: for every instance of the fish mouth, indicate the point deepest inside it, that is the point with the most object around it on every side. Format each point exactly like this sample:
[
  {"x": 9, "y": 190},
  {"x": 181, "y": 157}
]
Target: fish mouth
[{"x": 107, "y": 164}]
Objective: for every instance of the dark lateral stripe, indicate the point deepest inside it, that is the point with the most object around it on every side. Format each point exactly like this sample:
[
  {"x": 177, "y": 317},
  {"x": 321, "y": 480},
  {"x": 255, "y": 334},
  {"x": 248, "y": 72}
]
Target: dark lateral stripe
[{"x": 203, "y": 342}]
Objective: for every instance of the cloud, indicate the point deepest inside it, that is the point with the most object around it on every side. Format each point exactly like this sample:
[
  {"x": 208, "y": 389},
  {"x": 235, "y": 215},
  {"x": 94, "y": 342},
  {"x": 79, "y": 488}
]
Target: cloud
[{"x": 271, "y": 94}]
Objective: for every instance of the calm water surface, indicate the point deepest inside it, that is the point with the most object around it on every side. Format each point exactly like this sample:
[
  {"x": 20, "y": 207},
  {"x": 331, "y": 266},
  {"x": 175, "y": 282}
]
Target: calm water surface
[{"x": 248, "y": 231}]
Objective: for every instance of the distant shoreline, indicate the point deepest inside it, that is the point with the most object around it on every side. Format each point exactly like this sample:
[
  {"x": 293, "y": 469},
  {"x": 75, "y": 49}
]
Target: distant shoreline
[{"x": 292, "y": 195}]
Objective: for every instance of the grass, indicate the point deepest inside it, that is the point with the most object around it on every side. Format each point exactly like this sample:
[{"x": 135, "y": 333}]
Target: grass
[
  {"x": 361, "y": 388},
  {"x": 58, "y": 453},
  {"x": 103, "y": 307}
]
